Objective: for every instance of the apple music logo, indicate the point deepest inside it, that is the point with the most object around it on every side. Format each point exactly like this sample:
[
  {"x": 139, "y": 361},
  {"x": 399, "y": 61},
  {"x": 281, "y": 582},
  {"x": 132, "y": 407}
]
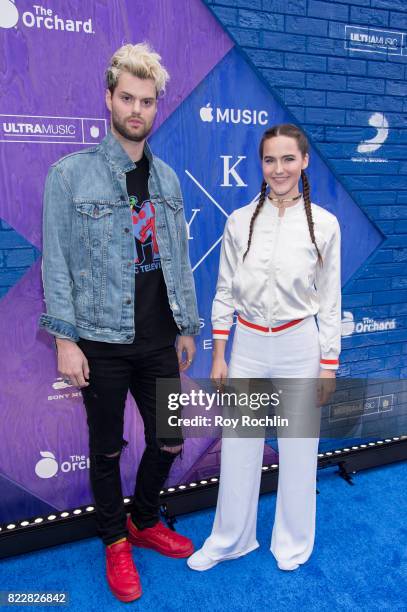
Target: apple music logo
[{"x": 233, "y": 115}]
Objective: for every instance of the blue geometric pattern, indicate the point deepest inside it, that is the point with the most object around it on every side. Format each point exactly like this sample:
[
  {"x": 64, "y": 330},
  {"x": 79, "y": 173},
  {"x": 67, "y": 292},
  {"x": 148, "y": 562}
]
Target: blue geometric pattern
[
  {"x": 17, "y": 255},
  {"x": 211, "y": 140}
]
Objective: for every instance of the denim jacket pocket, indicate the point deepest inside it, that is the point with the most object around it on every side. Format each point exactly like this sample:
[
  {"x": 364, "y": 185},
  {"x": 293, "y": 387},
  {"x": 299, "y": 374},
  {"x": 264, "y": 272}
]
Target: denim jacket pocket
[
  {"x": 96, "y": 221},
  {"x": 92, "y": 255},
  {"x": 173, "y": 202},
  {"x": 96, "y": 209}
]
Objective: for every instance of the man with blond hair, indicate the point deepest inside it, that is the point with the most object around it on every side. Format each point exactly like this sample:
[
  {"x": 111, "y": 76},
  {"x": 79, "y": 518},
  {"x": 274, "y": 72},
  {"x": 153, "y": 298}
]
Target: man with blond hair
[{"x": 119, "y": 290}]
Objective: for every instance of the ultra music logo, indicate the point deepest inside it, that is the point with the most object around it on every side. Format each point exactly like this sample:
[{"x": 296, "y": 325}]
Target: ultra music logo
[
  {"x": 373, "y": 40},
  {"x": 246, "y": 116},
  {"x": 55, "y": 130},
  {"x": 42, "y": 18}
]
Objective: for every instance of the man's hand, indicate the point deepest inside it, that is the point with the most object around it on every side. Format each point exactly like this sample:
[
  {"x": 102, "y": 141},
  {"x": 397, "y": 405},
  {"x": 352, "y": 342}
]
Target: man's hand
[
  {"x": 72, "y": 363},
  {"x": 326, "y": 385},
  {"x": 185, "y": 344},
  {"x": 172, "y": 449}
]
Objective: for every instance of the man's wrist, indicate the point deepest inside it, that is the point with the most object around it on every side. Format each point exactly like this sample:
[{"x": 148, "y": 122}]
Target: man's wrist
[{"x": 63, "y": 342}]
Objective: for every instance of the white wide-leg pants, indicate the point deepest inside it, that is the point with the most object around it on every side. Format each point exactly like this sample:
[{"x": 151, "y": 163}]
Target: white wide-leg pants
[{"x": 292, "y": 354}]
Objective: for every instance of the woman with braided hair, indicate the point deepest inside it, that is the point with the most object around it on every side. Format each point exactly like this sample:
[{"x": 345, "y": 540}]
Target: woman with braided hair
[{"x": 280, "y": 271}]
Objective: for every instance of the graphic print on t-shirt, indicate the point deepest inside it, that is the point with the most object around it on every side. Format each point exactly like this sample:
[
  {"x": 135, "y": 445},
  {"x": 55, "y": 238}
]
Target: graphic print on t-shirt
[{"x": 143, "y": 216}]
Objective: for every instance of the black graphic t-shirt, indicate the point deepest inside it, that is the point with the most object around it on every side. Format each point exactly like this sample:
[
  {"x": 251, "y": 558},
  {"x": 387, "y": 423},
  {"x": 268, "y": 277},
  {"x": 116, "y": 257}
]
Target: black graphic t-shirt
[{"x": 154, "y": 323}]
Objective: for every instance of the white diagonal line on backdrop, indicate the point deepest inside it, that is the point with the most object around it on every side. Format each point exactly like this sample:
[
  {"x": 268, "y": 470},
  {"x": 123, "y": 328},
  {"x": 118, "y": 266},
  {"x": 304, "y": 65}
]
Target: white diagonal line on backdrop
[
  {"x": 208, "y": 195},
  {"x": 207, "y": 253}
]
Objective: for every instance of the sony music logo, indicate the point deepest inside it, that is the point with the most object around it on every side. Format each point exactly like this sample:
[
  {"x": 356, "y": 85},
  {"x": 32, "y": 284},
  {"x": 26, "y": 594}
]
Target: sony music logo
[{"x": 233, "y": 115}]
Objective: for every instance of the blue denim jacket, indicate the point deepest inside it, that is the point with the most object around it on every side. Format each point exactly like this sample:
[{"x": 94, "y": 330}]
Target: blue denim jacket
[{"x": 89, "y": 247}]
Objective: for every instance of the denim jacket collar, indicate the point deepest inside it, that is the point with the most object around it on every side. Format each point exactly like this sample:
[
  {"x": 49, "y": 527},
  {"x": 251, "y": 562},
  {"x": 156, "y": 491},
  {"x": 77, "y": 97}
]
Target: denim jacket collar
[{"x": 117, "y": 156}]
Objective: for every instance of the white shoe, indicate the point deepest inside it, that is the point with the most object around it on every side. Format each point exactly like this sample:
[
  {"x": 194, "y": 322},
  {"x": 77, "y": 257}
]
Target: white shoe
[
  {"x": 200, "y": 562},
  {"x": 285, "y": 567}
]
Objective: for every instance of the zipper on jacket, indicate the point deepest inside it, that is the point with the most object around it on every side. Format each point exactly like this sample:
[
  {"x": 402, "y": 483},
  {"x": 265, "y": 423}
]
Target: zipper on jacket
[{"x": 272, "y": 271}]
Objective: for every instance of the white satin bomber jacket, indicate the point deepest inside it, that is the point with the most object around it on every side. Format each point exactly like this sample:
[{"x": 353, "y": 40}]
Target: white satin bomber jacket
[{"x": 281, "y": 280}]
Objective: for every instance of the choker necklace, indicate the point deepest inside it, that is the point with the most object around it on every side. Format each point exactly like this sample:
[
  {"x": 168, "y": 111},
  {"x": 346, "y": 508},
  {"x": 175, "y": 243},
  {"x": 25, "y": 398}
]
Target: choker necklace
[{"x": 280, "y": 201}]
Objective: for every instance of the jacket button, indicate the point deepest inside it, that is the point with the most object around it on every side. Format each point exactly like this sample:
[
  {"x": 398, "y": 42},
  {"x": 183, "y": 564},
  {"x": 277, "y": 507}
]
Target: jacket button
[
  {"x": 128, "y": 301},
  {"x": 126, "y": 229}
]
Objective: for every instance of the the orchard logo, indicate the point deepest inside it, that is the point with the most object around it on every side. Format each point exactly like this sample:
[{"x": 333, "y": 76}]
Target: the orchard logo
[
  {"x": 365, "y": 326},
  {"x": 42, "y": 18},
  {"x": 48, "y": 466},
  {"x": 245, "y": 116},
  {"x": 8, "y": 14}
]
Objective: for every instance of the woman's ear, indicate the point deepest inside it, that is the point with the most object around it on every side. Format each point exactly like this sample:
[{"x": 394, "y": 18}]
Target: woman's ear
[{"x": 305, "y": 161}]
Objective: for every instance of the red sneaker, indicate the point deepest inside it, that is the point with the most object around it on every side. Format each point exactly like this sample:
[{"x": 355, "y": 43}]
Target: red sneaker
[
  {"x": 122, "y": 575},
  {"x": 161, "y": 539}
]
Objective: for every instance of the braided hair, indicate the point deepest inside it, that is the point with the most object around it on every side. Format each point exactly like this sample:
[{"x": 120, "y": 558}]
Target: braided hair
[
  {"x": 308, "y": 211},
  {"x": 259, "y": 206},
  {"x": 292, "y": 131}
]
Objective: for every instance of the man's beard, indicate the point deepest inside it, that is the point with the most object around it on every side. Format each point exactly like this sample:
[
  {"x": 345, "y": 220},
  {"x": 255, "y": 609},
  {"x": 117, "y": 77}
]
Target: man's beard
[{"x": 123, "y": 131}]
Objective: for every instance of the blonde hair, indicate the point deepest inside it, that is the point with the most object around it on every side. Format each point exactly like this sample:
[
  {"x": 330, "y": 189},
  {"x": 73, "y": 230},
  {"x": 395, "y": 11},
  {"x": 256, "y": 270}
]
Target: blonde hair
[{"x": 141, "y": 61}]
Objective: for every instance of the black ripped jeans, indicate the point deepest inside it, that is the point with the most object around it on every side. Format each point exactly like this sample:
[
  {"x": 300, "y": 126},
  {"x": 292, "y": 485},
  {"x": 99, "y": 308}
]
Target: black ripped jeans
[{"x": 111, "y": 377}]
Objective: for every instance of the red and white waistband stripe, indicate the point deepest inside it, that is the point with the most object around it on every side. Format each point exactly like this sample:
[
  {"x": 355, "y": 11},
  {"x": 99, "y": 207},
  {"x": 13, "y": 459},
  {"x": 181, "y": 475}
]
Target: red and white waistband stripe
[
  {"x": 269, "y": 329},
  {"x": 330, "y": 361},
  {"x": 223, "y": 333}
]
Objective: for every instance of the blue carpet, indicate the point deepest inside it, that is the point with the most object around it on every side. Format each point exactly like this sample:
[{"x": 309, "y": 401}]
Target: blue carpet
[{"x": 359, "y": 561}]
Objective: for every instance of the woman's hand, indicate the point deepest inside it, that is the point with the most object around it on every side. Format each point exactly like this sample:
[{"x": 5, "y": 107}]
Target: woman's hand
[
  {"x": 219, "y": 370},
  {"x": 326, "y": 386}
]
